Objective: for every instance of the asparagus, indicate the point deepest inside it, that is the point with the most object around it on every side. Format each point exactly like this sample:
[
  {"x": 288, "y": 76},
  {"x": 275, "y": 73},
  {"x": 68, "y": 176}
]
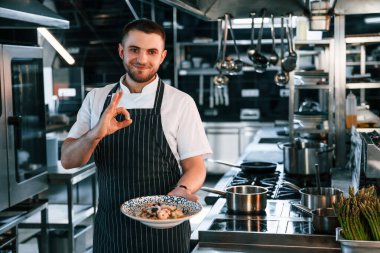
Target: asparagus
[{"x": 359, "y": 214}]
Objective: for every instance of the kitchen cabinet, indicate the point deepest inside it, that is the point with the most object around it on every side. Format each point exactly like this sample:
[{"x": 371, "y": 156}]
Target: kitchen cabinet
[
  {"x": 228, "y": 140},
  {"x": 69, "y": 216},
  {"x": 323, "y": 57}
]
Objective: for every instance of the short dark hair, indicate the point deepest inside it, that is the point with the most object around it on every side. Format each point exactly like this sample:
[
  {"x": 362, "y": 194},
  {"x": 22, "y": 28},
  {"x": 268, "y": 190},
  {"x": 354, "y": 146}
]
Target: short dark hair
[{"x": 143, "y": 25}]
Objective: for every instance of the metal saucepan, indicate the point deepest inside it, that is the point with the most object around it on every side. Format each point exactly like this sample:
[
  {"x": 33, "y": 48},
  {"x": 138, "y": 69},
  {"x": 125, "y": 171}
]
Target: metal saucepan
[
  {"x": 250, "y": 167},
  {"x": 324, "y": 220},
  {"x": 243, "y": 198},
  {"x": 311, "y": 198}
]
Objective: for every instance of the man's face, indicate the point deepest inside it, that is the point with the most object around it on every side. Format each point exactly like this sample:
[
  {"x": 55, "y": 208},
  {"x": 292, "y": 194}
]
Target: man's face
[{"x": 142, "y": 54}]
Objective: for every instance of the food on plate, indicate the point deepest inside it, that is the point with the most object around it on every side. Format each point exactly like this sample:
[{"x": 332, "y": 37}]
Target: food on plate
[{"x": 160, "y": 211}]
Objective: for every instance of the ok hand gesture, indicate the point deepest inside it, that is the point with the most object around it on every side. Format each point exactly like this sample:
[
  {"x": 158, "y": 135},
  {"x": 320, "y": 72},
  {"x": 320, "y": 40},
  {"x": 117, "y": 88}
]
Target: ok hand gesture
[{"x": 108, "y": 124}]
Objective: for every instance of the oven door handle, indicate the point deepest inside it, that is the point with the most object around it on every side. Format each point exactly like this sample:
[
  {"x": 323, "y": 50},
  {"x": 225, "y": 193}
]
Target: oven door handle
[{"x": 16, "y": 121}]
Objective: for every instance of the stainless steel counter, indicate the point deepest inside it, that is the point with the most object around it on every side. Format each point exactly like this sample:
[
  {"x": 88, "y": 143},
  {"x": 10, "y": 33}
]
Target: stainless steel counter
[
  {"x": 214, "y": 235},
  {"x": 279, "y": 229}
]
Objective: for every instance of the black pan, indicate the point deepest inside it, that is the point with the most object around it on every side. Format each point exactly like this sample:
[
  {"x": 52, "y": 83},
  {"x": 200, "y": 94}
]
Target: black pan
[{"x": 250, "y": 167}]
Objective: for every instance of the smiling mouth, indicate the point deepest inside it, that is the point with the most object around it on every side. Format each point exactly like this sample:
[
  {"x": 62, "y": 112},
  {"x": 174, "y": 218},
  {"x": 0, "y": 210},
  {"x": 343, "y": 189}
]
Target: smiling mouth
[{"x": 140, "y": 67}]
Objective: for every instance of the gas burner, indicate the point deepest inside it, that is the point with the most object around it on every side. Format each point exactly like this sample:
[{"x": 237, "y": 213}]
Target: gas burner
[
  {"x": 239, "y": 180},
  {"x": 308, "y": 180}
]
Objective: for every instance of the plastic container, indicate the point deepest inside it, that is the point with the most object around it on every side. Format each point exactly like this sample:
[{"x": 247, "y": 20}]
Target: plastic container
[{"x": 351, "y": 111}]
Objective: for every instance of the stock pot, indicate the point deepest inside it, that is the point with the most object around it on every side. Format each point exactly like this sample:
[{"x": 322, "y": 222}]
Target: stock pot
[
  {"x": 300, "y": 157},
  {"x": 243, "y": 198}
]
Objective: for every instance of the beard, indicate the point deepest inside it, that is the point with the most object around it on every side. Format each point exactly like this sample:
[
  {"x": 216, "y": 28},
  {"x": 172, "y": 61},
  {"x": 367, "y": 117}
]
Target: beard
[{"x": 137, "y": 76}]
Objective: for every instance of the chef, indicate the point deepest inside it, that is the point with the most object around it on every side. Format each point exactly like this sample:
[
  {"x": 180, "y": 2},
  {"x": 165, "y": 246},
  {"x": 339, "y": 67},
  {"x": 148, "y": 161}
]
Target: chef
[{"x": 147, "y": 139}]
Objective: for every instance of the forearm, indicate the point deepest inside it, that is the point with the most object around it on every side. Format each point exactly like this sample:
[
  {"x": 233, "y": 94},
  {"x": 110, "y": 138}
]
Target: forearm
[
  {"x": 194, "y": 174},
  {"x": 77, "y": 152}
]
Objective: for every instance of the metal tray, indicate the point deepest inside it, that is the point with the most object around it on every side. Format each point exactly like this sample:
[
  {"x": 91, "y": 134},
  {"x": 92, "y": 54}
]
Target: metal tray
[{"x": 353, "y": 246}]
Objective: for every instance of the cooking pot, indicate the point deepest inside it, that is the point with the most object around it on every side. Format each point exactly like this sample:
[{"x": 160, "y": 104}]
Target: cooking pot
[
  {"x": 324, "y": 220},
  {"x": 301, "y": 156},
  {"x": 243, "y": 198},
  {"x": 313, "y": 199},
  {"x": 250, "y": 167}
]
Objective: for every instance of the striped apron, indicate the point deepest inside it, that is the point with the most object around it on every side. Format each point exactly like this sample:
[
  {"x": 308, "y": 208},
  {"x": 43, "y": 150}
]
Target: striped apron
[{"x": 133, "y": 162}]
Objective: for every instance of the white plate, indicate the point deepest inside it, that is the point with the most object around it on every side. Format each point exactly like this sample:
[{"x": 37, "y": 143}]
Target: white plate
[{"x": 131, "y": 207}]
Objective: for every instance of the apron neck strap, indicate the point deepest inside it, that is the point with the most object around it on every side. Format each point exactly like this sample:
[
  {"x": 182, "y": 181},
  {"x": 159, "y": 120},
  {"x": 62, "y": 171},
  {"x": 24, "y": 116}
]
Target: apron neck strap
[{"x": 157, "y": 100}]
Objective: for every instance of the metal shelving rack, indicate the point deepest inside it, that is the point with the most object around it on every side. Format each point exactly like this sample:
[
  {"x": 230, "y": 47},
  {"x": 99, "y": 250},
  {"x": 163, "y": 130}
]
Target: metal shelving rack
[
  {"x": 341, "y": 42},
  {"x": 68, "y": 216},
  {"x": 328, "y": 45}
]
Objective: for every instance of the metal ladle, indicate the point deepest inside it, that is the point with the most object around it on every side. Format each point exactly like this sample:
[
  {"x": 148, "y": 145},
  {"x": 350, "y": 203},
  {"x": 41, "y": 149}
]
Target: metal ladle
[
  {"x": 237, "y": 64},
  {"x": 251, "y": 50},
  {"x": 289, "y": 63},
  {"x": 282, "y": 78},
  {"x": 273, "y": 60},
  {"x": 260, "y": 62}
]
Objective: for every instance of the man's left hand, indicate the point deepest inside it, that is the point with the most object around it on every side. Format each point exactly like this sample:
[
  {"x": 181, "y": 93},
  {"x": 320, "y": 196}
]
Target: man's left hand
[{"x": 182, "y": 192}]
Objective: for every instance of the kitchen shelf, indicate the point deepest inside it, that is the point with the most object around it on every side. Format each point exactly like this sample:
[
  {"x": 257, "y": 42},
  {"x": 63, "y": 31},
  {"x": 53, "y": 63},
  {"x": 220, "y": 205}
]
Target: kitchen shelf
[
  {"x": 363, "y": 85},
  {"x": 68, "y": 216},
  {"x": 363, "y": 39},
  {"x": 312, "y": 42},
  {"x": 326, "y": 49},
  {"x": 213, "y": 71},
  {"x": 14, "y": 216},
  {"x": 58, "y": 216},
  {"x": 368, "y": 63},
  {"x": 310, "y": 130},
  {"x": 312, "y": 87},
  {"x": 230, "y": 42}
]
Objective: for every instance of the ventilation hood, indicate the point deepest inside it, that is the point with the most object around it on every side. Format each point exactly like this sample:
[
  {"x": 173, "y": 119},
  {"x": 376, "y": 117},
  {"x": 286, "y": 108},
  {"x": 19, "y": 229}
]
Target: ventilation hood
[
  {"x": 213, "y": 9},
  {"x": 29, "y": 14}
]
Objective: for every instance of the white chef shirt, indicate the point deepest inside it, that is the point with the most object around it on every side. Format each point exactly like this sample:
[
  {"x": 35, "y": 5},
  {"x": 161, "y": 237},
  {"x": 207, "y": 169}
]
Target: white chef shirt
[{"x": 181, "y": 121}]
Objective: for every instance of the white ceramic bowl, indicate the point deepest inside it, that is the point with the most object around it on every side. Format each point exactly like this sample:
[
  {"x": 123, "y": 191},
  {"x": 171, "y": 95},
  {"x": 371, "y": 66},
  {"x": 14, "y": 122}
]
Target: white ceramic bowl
[{"x": 132, "y": 207}]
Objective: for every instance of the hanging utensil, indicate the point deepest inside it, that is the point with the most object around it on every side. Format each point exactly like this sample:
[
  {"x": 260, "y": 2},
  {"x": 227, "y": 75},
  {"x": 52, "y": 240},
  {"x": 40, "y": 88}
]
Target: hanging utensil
[
  {"x": 289, "y": 63},
  {"x": 282, "y": 78},
  {"x": 251, "y": 50},
  {"x": 221, "y": 64},
  {"x": 201, "y": 87},
  {"x": 211, "y": 96},
  {"x": 260, "y": 62},
  {"x": 226, "y": 95},
  {"x": 273, "y": 60},
  {"x": 318, "y": 179},
  {"x": 237, "y": 63}
]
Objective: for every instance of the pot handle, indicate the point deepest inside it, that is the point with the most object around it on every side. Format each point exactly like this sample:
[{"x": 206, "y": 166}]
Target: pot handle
[
  {"x": 303, "y": 208},
  {"x": 223, "y": 163},
  {"x": 212, "y": 190},
  {"x": 295, "y": 187},
  {"x": 280, "y": 145},
  {"x": 329, "y": 149}
]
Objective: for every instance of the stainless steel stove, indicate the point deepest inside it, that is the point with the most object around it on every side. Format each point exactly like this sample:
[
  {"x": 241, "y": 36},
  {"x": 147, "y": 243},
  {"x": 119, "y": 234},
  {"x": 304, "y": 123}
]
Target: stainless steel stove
[{"x": 277, "y": 229}]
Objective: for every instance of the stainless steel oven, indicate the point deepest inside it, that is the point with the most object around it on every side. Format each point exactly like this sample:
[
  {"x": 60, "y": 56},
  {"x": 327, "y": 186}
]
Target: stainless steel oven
[{"x": 23, "y": 171}]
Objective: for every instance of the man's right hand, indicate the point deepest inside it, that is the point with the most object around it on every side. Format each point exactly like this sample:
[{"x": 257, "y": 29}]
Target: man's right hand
[{"x": 108, "y": 124}]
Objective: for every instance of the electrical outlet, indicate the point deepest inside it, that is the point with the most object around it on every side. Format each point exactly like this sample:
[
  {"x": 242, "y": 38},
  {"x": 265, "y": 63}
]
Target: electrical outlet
[
  {"x": 250, "y": 93},
  {"x": 284, "y": 92}
]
